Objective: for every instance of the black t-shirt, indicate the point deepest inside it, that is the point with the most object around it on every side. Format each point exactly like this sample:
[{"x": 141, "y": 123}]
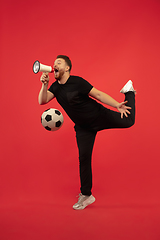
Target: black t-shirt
[{"x": 74, "y": 99}]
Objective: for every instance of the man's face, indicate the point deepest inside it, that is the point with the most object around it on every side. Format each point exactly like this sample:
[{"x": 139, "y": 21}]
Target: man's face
[{"x": 60, "y": 67}]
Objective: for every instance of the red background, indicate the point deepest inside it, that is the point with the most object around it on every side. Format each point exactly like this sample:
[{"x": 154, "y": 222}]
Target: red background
[{"x": 109, "y": 42}]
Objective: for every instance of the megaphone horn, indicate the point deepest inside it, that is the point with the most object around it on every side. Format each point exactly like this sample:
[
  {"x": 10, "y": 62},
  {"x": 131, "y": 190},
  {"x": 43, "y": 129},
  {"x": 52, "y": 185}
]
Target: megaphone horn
[{"x": 39, "y": 67}]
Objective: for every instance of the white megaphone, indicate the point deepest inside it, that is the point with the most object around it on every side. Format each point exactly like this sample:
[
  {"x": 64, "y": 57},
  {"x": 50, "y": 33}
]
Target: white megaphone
[{"x": 39, "y": 67}]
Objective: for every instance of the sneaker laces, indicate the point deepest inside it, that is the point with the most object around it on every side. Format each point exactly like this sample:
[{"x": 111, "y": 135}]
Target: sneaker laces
[{"x": 80, "y": 197}]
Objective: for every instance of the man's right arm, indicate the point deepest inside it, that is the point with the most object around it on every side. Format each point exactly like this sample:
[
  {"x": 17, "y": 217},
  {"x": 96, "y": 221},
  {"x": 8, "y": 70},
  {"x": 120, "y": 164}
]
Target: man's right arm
[{"x": 44, "y": 95}]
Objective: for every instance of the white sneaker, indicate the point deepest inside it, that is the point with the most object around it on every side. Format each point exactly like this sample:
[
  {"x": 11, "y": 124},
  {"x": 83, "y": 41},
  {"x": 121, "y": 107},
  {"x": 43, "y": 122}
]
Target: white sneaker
[
  {"x": 83, "y": 201},
  {"x": 128, "y": 87}
]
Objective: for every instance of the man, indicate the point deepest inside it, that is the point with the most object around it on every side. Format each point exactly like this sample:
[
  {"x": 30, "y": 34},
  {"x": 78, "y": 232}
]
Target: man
[{"x": 76, "y": 95}]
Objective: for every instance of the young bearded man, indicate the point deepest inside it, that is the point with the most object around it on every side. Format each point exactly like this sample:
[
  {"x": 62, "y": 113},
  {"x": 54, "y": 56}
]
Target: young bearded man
[{"x": 80, "y": 100}]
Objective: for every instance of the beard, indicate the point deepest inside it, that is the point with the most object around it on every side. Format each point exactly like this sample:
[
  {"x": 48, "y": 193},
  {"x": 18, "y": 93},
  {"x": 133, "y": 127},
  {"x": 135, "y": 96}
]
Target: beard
[{"x": 58, "y": 75}]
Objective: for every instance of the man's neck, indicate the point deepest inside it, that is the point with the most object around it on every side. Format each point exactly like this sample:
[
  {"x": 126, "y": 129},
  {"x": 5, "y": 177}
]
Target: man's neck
[{"x": 64, "y": 79}]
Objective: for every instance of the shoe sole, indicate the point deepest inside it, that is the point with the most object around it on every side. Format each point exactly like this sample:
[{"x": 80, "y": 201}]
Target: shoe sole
[{"x": 128, "y": 83}]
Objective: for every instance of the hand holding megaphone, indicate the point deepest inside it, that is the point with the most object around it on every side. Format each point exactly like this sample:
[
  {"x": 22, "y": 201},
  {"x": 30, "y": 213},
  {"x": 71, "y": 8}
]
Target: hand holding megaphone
[
  {"x": 39, "y": 67},
  {"x": 44, "y": 78}
]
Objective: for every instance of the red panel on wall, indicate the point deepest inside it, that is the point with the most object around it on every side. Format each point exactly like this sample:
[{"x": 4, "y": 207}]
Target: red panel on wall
[{"x": 109, "y": 42}]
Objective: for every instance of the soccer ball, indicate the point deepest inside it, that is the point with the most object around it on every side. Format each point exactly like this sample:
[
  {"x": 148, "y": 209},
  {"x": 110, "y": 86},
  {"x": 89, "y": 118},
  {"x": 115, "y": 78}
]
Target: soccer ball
[{"x": 52, "y": 119}]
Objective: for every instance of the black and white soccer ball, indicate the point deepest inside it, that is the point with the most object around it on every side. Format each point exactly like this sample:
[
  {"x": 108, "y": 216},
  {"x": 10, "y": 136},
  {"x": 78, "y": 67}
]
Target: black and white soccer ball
[{"x": 52, "y": 119}]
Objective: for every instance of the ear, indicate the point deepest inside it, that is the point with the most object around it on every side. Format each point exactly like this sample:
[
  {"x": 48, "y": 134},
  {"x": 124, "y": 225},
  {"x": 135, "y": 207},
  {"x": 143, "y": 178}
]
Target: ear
[{"x": 67, "y": 68}]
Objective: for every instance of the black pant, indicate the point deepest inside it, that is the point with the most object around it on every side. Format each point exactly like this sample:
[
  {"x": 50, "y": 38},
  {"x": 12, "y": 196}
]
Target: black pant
[{"x": 86, "y": 136}]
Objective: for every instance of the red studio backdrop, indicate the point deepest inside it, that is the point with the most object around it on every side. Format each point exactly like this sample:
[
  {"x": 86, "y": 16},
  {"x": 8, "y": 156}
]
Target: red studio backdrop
[{"x": 109, "y": 42}]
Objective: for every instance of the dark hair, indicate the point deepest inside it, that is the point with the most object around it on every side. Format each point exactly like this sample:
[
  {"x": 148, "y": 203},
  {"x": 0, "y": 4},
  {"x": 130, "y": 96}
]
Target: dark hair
[{"x": 67, "y": 60}]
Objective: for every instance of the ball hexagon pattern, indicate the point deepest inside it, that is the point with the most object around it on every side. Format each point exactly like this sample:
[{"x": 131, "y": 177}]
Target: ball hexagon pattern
[{"x": 52, "y": 119}]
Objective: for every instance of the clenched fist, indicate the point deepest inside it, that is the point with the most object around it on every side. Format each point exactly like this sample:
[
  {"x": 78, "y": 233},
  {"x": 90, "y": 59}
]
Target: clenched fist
[{"x": 44, "y": 78}]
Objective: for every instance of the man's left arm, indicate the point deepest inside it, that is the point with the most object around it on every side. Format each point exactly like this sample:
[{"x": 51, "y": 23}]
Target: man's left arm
[{"x": 106, "y": 99}]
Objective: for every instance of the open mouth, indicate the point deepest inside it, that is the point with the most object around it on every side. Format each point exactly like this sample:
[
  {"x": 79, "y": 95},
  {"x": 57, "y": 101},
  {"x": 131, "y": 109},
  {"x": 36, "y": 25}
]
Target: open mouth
[{"x": 56, "y": 70}]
